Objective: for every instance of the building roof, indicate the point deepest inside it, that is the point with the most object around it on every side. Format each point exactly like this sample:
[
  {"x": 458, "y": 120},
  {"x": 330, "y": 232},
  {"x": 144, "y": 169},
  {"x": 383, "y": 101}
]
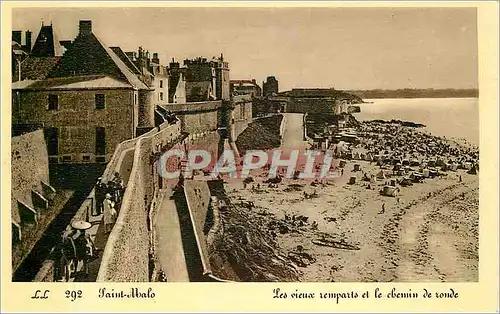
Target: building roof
[
  {"x": 243, "y": 82},
  {"x": 119, "y": 52},
  {"x": 173, "y": 82},
  {"x": 37, "y": 68},
  {"x": 22, "y": 84},
  {"x": 89, "y": 56},
  {"x": 47, "y": 44},
  {"x": 310, "y": 92},
  {"x": 131, "y": 77},
  {"x": 75, "y": 82},
  {"x": 244, "y": 85}
]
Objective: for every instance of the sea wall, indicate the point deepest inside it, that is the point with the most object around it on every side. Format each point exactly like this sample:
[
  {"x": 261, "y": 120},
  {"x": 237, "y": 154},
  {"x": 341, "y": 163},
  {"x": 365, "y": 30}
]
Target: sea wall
[
  {"x": 197, "y": 117},
  {"x": 282, "y": 128},
  {"x": 241, "y": 115},
  {"x": 197, "y": 196}
]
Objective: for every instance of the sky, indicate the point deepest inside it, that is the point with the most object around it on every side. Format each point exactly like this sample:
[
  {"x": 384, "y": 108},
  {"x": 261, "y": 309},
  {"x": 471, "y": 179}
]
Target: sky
[{"x": 344, "y": 48}]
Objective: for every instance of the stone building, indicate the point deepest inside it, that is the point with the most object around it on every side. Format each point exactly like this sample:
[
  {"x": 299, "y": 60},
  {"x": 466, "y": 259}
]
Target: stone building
[
  {"x": 207, "y": 80},
  {"x": 17, "y": 38},
  {"x": 176, "y": 83},
  {"x": 270, "y": 87},
  {"x": 47, "y": 44},
  {"x": 313, "y": 101},
  {"x": 35, "y": 62},
  {"x": 245, "y": 87},
  {"x": 161, "y": 80},
  {"x": 90, "y": 101}
]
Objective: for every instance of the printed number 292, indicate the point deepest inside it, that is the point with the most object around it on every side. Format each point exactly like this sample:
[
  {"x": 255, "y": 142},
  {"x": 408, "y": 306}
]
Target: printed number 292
[{"x": 74, "y": 294}]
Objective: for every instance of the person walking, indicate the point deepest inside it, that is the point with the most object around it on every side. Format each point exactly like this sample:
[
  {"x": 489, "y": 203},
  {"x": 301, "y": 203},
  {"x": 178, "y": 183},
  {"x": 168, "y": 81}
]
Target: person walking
[
  {"x": 109, "y": 213},
  {"x": 118, "y": 186},
  {"x": 100, "y": 192}
]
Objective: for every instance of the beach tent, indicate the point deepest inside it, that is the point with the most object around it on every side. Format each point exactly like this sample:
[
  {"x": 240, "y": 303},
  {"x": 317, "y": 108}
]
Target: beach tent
[
  {"x": 389, "y": 190},
  {"x": 381, "y": 175},
  {"x": 406, "y": 182},
  {"x": 366, "y": 177},
  {"x": 472, "y": 171},
  {"x": 416, "y": 177},
  {"x": 432, "y": 173},
  {"x": 425, "y": 173},
  {"x": 414, "y": 162},
  {"x": 440, "y": 162}
]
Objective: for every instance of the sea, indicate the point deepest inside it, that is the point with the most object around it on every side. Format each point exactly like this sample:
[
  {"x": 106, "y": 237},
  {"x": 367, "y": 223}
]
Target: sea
[{"x": 453, "y": 118}]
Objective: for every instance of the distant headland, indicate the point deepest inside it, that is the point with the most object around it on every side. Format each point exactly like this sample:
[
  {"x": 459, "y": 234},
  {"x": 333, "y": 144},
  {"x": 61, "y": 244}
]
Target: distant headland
[{"x": 415, "y": 93}]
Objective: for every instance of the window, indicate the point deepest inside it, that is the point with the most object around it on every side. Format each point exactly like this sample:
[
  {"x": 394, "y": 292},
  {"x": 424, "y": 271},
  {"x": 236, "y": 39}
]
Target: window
[
  {"x": 100, "y": 141},
  {"x": 100, "y": 101},
  {"x": 66, "y": 158},
  {"x": 86, "y": 158},
  {"x": 161, "y": 83},
  {"x": 161, "y": 96},
  {"x": 53, "y": 102}
]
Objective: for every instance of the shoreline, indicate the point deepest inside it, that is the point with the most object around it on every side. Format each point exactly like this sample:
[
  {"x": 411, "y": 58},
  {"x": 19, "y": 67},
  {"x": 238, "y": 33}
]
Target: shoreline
[{"x": 429, "y": 232}]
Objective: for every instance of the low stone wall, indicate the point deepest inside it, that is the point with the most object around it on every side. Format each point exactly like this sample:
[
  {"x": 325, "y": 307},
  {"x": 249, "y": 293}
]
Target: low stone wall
[
  {"x": 282, "y": 127},
  {"x": 46, "y": 272},
  {"x": 126, "y": 255},
  {"x": 197, "y": 196}
]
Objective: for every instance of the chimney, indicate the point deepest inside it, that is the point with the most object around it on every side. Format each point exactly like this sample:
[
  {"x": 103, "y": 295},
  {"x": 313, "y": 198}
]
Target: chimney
[
  {"x": 16, "y": 36},
  {"x": 85, "y": 28},
  {"x": 155, "y": 58},
  {"x": 28, "y": 41}
]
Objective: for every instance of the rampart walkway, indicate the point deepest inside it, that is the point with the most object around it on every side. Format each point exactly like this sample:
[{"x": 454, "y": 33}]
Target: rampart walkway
[{"x": 169, "y": 249}]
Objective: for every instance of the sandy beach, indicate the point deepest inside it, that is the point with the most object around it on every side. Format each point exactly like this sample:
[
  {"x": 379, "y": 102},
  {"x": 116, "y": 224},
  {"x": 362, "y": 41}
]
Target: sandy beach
[
  {"x": 420, "y": 238},
  {"x": 428, "y": 232}
]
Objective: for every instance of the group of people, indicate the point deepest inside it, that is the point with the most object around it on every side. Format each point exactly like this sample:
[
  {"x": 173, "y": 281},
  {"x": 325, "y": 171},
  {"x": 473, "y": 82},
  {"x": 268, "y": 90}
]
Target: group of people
[
  {"x": 108, "y": 196},
  {"x": 76, "y": 246}
]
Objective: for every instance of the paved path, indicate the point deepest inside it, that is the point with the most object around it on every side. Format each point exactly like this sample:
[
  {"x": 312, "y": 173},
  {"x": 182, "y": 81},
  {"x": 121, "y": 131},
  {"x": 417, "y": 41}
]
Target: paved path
[
  {"x": 293, "y": 136},
  {"x": 169, "y": 247},
  {"x": 97, "y": 234}
]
